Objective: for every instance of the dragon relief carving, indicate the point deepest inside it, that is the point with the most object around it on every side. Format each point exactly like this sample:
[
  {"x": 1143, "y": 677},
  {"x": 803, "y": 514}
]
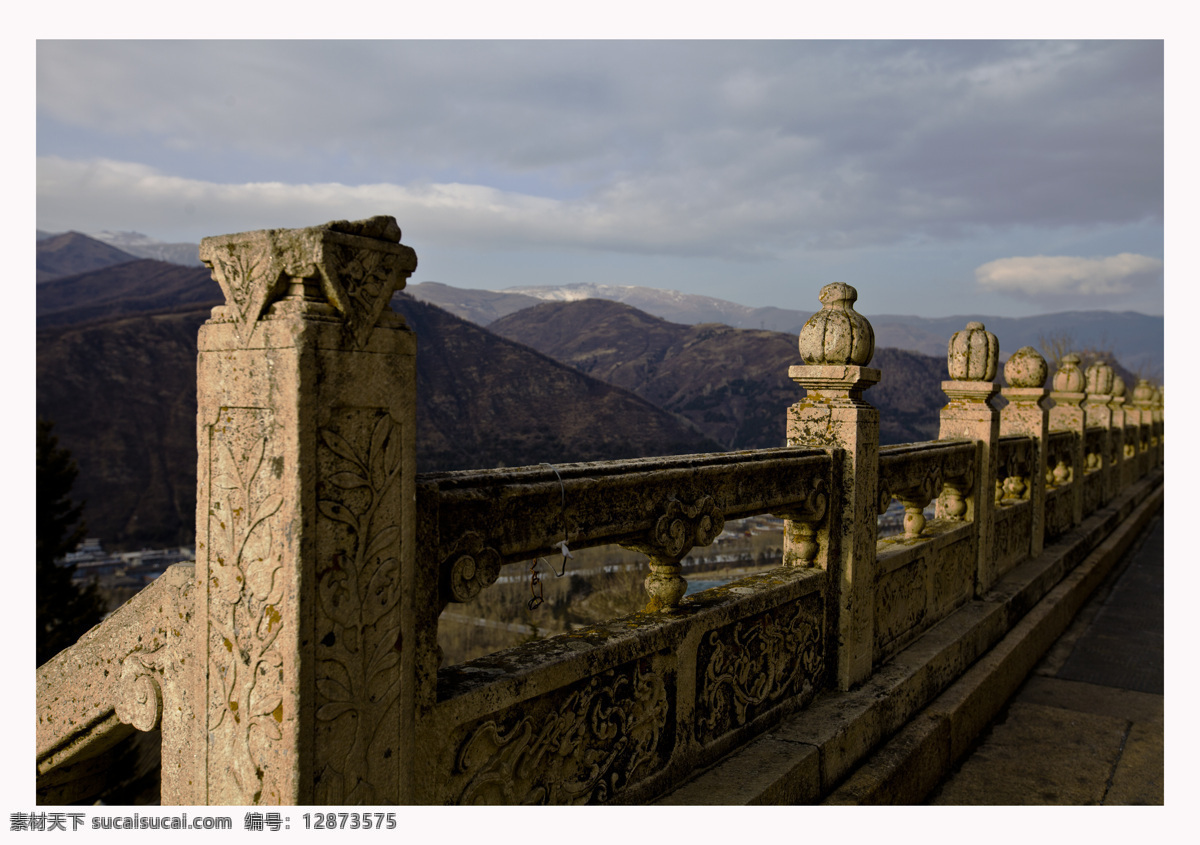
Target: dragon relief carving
[
  {"x": 246, "y": 677},
  {"x": 581, "y": 745},
  {"x": 745, "y": 667},
  {"x": 358, "y": 610}
]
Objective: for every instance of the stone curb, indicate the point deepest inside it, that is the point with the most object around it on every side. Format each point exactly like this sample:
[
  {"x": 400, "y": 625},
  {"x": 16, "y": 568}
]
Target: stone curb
[
  {"x": 914, "y": 703},
  {"x": 916, "y": 760}
]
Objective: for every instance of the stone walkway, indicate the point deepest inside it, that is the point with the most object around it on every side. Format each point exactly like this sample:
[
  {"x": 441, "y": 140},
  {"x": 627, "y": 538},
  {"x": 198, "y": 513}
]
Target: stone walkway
[{"x": 1087, "y": 726}]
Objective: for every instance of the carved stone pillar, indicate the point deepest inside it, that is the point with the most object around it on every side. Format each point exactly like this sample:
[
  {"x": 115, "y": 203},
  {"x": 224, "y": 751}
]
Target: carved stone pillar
[
  {"x": 837, "y": 342},
  {"x": 1120, "y": 468},
  {"x": 1098, "y": 383},
  {"x": 1026, "y": 371},
  {"x": 1067, "y": 415},
  {"x": 305, "y": 517},
  {"x": 1143, "y": 402},
  {"x": 971, "y": 359},
  {"x": 1157, "y": 415}
]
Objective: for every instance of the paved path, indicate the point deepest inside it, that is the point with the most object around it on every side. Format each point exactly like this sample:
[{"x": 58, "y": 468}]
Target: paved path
[{"x": 1087, "y": 726}]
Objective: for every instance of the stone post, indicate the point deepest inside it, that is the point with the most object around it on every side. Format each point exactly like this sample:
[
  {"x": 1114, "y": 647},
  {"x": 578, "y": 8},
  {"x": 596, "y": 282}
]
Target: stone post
[
  {"x": 971, "y": 358},
  {"x": 1067, "y": 415},
  {"x": 1098, "y": 384},
  {"x": 1157, "y": 412},
  {"x": 837, "y": 343},
  {"x": 1121, "y": 473},
  {"x": 1026, "y": 371},
  {"x": 305, "y": 517},
  {"x": 1143, "y": 400}
]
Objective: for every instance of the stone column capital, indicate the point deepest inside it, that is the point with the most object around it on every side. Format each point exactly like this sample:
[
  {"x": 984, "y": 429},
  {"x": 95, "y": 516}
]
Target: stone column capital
[
  {"x": 1068, "y": 398},
  {"x": 355, "y": 266},
  {"x": 834, "y": 384},
  {"x": 1032, "y": 397},
  {"x": 969, "y": 393}
]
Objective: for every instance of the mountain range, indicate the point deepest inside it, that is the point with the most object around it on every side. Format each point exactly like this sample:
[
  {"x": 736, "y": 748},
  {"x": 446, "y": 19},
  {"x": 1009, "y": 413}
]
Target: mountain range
[
  {"x": 1136, "y": 340},
  {"x": 554, "y": 380}
]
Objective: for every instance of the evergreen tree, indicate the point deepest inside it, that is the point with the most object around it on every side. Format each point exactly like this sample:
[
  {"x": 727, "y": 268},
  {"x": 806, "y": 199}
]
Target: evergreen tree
[{"x": 64, "y": 612}]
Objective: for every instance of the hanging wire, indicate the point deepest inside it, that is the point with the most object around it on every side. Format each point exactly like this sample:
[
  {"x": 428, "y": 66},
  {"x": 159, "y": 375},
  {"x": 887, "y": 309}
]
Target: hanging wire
[{"x": 536, "y": 588}]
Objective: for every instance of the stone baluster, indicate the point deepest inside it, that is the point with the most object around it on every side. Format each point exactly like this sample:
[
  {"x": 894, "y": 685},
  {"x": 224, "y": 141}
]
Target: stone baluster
[
  {"x": 837, "y": 344},
  {"x": 971, "y": 359},
  {"x": 678, "y": 530},
  {"x": 1098, "y": 384},
  {"x": 1026, "y": 371},
  {"x": 1067, "y": 415},
  {"x": 1157, "y": 415},
  {"x": 305, "y": 519},
  {"x": 1143, "y": 401},
  {"x": 1120, "y": 442}
]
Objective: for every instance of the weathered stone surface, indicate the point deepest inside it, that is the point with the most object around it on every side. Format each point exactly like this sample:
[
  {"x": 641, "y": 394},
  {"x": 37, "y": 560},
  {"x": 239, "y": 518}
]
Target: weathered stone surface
[
  {"x": 298, "y": 662},
  {"x": 837, "y": 334},
  {"x": 136, "y": 670},
  {"x": 973, "y": 354},
  {"x": 306, "y": 426},
  {"x": 1026, "y": 368}
]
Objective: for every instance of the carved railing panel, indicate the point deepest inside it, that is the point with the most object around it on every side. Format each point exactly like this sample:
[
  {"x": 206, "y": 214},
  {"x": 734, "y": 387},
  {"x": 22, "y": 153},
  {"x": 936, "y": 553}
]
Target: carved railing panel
[
  {"x": 1060, "y": 451},
  {"x": 584, "y": 743},
  {"x": 663, "y": 506},
  {"x": 745, "y": 668},
  {"x": 916, "y": 474},
  {"x": 1016, "y": 456}
]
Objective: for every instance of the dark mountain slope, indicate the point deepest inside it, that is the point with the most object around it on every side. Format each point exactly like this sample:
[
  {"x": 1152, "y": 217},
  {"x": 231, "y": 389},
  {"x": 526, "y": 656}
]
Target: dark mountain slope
[
  {"x": 122, "y": 393},
  {"x": 140, "y": 285},
  {"x": 71, "y": 253},
  {"x": 731, "y": 383}
]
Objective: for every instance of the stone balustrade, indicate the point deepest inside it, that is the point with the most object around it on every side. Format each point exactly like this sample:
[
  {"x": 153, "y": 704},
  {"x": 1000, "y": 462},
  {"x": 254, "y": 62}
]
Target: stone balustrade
[{"x": 297, "y": 661}]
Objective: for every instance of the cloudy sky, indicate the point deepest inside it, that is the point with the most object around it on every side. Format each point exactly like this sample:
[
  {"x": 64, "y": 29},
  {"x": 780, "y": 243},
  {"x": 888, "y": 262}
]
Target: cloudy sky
[{"x": 939, "y": 178}]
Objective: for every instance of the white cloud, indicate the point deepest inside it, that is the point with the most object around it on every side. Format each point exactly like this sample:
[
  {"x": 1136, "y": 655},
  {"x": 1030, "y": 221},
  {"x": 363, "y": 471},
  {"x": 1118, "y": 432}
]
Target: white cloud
[
  {"x": 1045, "y": 276},
  {"x": 105, "y": 194}
]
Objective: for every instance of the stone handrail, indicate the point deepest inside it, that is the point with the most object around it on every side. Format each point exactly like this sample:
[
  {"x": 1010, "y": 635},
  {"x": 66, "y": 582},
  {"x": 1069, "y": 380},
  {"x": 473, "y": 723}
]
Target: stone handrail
[
  {"x": 662, "y": 506},
  {"x": 129, "y": 672},
  {"x": 297, "y": 661}
]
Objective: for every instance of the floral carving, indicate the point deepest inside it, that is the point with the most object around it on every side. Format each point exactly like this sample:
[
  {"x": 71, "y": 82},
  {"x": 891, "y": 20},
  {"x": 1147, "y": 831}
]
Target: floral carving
[
  {"x": 367, "y": 278},
  {"x": 245, "y": 598},
  {"x": 250, "y": 276},
  {"x": 358, "y": 598},
  {"x": 744, "y": 668},
  {"x": 471, "y": 568},
  {"x": 582, "y": 745}
]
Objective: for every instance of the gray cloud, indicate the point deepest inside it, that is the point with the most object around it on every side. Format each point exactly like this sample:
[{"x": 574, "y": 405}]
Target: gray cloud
[{"x": 768, "y": 146}]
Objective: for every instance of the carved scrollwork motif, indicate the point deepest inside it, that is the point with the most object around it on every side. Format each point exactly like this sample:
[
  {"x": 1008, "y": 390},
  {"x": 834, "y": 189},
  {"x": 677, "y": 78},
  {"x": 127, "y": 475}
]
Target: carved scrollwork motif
[
  {"x": 582, "y": 745},
  {"x": 140, "y": 695},
  {"x": 677, "y": 531},
  {"x": 681, "y": 527},
  {"x": 471, "y": 568},
  {"x": 885, "y": 498},
  {"x": 746, "y": 667},
  {"x": 358, "y": 593},
  {"x": 246, "y": 678}
]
